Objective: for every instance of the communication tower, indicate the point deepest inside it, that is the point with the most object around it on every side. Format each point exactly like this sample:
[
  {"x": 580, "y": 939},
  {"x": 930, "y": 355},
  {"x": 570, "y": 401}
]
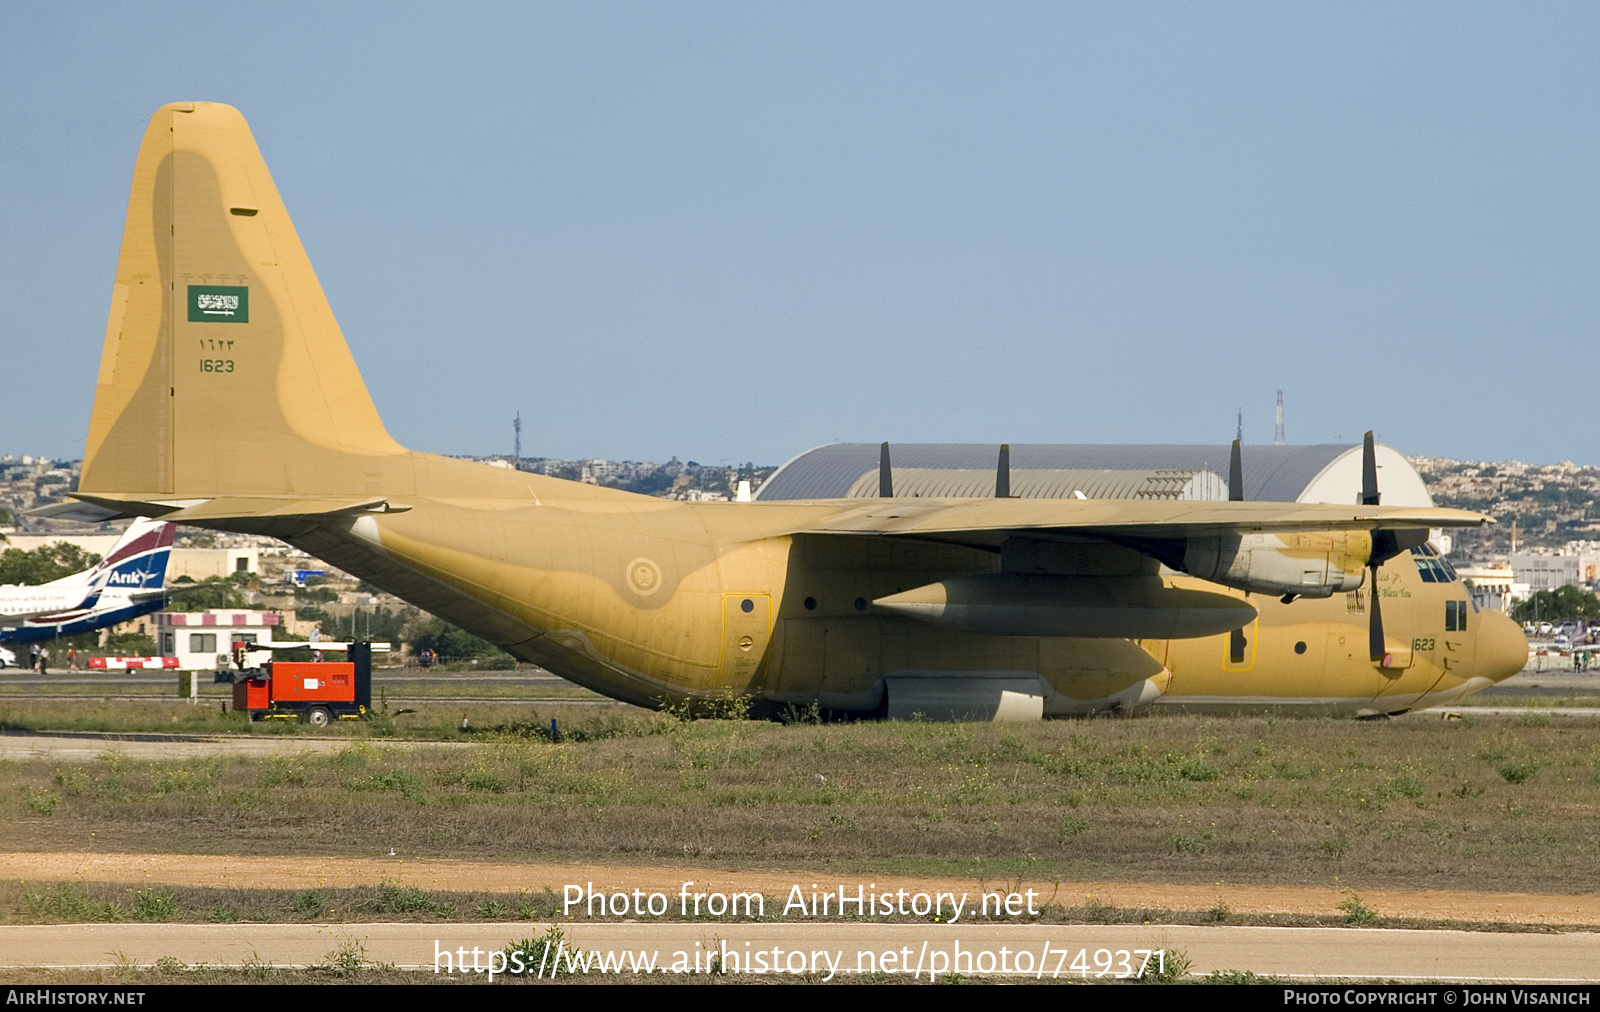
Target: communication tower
[{"x": 1277, "y": 428}]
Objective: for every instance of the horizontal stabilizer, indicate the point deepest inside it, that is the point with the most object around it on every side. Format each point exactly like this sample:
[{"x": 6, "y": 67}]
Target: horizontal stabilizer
[
  {"x": 198, "y": 511},
  {"x": 80, "y": 512},
  {"x": 246, "y": 507}
]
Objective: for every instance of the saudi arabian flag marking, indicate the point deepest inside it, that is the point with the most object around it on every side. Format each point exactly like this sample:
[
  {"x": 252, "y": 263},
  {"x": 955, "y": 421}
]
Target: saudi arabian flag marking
[{"x": 219, "y": 304}]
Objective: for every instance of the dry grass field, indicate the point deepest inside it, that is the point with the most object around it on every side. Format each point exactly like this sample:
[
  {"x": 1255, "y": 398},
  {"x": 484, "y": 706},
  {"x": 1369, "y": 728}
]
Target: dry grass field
[
  {"x": 1491, "y": 803},
  {"x": 424, "y": 718}
]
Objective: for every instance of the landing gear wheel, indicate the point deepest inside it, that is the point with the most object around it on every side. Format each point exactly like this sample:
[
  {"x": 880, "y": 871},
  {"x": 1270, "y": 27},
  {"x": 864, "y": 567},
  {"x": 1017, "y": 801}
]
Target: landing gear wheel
[{"x": 318, "y": 717}]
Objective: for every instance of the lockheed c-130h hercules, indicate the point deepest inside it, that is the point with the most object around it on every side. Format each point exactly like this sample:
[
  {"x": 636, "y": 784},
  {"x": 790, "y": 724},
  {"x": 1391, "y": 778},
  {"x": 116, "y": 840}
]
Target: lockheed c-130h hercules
[{"x": 228, "y": 399}]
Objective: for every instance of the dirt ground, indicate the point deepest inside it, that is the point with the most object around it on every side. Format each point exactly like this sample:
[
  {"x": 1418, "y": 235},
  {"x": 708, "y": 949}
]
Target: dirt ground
[{"x": 454, "y": 875}]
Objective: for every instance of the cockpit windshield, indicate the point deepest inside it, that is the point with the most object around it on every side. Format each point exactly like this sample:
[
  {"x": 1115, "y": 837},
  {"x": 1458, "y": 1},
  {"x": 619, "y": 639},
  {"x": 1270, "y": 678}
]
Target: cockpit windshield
[{"x": 1431, "y": 565}]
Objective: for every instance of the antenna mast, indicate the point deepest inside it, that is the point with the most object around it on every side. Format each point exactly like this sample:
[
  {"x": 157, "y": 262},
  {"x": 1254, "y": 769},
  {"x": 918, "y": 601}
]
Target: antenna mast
[
  {"x": 1277, "y": 428},
  {"x": 516, "y": 426}
]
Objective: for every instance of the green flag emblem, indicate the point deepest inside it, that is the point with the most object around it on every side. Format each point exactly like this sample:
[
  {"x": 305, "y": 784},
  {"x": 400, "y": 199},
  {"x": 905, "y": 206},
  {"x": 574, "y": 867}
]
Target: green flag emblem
[{"x": 219, "y": 304}]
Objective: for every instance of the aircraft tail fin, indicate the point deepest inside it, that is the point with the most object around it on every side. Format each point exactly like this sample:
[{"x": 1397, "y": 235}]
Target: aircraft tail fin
[
  {"x": 138, "y": 561},
  {"x": 223, "y": 369}
]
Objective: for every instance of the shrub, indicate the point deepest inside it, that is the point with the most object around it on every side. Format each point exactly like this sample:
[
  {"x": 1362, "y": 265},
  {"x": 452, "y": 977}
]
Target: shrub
[
  {"x": 1406, "y": 786},
  {"x": 540, "y": 957},
  {"x": 68, "y": 902},
  {"x": 1170, "y": 967},
  {"x": 348, "y": 960},
  {"x": 310, "y": 903},
  {"x": 1356, "y": 912},
  {"x": 1198, "y": 770},
  {"x": 1191, "y": 843},
  {"x": 1516, "y": 773},
  {"x": 155, "y": 905},
  {"x": 399, "y": 899}
]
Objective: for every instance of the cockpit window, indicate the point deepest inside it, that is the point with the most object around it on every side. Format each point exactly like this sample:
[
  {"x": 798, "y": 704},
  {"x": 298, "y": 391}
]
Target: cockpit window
[{"x": 1431, "y": 565}]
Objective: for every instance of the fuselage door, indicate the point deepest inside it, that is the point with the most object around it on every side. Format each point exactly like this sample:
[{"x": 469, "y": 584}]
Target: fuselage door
[
  {"x": 1458, "y": 644},
  {"x": 746, "y": 628},
  {"x": 1240, "y": 647}
]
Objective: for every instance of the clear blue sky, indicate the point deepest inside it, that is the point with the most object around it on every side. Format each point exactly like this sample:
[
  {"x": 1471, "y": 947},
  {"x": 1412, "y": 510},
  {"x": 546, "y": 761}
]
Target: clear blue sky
[{"x": 734, "y": 231}]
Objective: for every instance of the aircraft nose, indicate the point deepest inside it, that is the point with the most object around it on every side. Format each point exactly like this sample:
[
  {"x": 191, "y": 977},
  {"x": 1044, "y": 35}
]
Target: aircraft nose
[{"x": 1502, "y": 650}]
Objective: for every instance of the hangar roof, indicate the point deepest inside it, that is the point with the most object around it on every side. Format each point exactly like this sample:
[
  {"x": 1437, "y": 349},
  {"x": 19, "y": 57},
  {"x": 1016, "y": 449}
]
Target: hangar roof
[
  {"x": 1271, "y": 473},
  {"x": 1031, "y": 483}
]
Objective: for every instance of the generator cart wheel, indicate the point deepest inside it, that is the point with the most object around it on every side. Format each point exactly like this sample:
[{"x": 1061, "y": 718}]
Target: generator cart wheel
[{"x": 318, "y": 717}]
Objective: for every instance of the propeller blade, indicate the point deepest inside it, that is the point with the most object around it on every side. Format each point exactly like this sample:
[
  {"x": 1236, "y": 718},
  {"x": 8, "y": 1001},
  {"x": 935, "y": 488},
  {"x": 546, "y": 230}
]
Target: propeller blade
[
  {"x": 885, "y": 473},
  {"x": 1236, "y": 475},
  {"x": 1369, "y": 472},
  {"x": 1375, "y": 642},
  {"x": 1002, "y": 473}
]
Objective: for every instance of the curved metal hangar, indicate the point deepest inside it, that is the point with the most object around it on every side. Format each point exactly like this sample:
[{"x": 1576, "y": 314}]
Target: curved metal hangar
[{"x": 1329, "y": 472}]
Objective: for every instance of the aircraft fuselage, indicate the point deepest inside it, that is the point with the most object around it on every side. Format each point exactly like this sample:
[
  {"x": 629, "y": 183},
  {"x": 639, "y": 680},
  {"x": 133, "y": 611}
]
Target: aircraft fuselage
[{"x": 654, "y": 601}]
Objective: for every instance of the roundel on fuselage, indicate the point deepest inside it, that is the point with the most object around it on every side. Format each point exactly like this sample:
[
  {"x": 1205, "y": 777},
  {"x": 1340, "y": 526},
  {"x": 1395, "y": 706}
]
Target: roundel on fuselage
[{"x": 643, "y": 577}]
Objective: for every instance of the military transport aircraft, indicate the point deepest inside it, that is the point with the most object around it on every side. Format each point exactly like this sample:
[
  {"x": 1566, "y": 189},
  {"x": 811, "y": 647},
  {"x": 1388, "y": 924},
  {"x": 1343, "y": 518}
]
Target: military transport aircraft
[
  {"x": 126, "y": 584},
  {"x": 228, "y": 399}
]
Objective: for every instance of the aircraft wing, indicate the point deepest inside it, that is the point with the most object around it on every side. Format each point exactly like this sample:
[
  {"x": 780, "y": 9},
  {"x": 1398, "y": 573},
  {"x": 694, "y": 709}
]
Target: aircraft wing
[
  {"x": 987, "y": 522},
  {"x": 1290, "y": 550}
]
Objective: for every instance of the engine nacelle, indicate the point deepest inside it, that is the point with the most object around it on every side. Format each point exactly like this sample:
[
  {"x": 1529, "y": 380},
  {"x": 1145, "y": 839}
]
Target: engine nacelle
[
  {"x": 1310, "y": 564},
  {"x": 1034, "y": 604}
]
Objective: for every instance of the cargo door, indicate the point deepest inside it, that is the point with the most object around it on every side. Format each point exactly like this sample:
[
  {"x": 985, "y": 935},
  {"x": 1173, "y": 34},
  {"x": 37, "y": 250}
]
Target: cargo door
[{"x": 802, "y": 655}]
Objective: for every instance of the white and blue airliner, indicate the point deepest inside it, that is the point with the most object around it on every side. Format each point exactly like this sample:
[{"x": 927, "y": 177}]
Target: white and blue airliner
[{"x": 129, "y": 582}]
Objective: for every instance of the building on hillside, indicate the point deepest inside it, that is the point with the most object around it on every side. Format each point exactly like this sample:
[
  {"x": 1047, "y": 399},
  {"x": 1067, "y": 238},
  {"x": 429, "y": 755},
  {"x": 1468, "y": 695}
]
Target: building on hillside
[
  {"x": 1556, "y": 569},
  {"x": 94, "y": 544},
  {"x": 1493, "y": 585},
  {"x": 195, "y": 563},
  {"x": 204, "y": 563}
]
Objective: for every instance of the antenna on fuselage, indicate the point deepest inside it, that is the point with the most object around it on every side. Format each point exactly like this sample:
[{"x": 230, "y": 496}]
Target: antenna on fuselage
[
  {"x": 1002, "y": 473},
  {"x": 885, "y": 473}
]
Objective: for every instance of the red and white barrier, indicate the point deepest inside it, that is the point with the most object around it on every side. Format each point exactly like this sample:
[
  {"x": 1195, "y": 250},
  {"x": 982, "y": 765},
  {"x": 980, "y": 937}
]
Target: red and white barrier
[{"x": 132, "y": 663}]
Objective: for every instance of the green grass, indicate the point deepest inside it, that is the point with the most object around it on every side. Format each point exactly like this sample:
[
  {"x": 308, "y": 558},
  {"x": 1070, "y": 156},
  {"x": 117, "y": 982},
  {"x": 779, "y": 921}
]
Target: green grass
[
  {"x": 112, "y": 902},
  {"x": 1410, "y": 803},
  {"x": 395, "y": 692},
  {"x": 487, "y": 716}
]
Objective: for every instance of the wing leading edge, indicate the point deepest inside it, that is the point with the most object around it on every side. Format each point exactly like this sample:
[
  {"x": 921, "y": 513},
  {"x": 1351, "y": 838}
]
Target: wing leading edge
[{"x": 989, "y": 522}]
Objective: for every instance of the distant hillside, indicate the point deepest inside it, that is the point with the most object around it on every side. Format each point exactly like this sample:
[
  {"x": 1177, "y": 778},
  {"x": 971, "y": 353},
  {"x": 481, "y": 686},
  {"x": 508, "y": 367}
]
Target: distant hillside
[{"x": 1551, "y": 504}]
